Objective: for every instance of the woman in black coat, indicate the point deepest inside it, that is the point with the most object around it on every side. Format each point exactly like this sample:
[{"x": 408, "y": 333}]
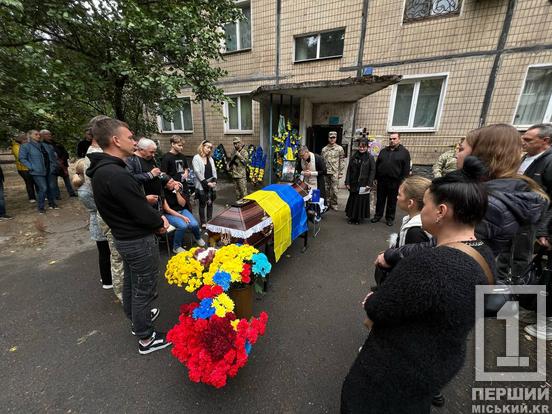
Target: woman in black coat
[
  {"x": 359, "y": 179},
  {"x": 421, "y": 316}
]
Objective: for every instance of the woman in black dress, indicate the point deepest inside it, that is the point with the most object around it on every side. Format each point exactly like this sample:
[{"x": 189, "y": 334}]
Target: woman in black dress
[{"x": 360, "y": 177}]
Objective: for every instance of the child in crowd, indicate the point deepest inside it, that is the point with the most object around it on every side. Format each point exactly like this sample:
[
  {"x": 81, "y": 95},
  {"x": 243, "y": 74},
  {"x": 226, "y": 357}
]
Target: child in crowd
[{"x": 409, "y": 200}]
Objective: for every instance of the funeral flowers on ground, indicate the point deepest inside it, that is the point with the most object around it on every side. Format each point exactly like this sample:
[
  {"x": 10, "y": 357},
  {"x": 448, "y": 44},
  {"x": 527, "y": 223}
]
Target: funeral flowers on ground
[{"x": 209, "y": 339}]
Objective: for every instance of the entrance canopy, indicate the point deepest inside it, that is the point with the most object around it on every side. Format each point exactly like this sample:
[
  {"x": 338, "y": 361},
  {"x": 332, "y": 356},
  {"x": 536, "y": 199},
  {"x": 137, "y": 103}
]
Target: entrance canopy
[{"x": 328, "y": 91}]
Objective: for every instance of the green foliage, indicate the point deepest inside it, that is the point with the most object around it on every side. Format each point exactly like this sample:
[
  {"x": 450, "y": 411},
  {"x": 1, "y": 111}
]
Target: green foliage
[{"x": 65, "y": 61}]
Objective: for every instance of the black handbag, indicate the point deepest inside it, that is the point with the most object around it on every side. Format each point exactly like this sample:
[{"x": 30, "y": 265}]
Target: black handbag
[{"x": 534, "y": 274}]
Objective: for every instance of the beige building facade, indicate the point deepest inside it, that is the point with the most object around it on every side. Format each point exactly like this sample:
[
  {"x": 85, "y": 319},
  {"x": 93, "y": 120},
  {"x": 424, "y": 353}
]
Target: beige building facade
[{"x": 463, "y": 63}]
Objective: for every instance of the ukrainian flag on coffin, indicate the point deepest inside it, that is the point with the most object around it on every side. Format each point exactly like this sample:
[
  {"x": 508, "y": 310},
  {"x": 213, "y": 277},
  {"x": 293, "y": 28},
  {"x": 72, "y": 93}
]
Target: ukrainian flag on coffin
[{"x": 286, "y": 208}]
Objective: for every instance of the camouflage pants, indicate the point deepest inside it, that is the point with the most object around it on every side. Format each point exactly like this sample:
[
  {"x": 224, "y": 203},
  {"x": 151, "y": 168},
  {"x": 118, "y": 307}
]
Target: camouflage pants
[
  {"x": 332, "y": 188},
  {"x": 240, "y": 186},
  {"x": 117, "y": 270}
]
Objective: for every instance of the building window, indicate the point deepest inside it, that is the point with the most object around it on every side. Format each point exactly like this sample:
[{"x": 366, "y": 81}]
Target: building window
[
  {"x": 238, "y": 114},
  {"x": 535, "y": 102},
  {"x": 320, "y": 46},
  {"x": 180, "y": 121},
  {"x": 423, "y": 9},
  {"x": 238, "y": 34},
  {"x": 416, "y": 104}
]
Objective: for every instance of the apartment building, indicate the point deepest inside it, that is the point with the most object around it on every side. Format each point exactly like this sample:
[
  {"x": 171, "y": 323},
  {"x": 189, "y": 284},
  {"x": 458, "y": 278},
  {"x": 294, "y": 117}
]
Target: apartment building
[{"x": 437, "y": 68}]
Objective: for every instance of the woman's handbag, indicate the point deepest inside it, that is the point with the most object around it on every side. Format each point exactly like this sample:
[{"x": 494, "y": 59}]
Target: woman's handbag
[{"x": 533, "y": 275}]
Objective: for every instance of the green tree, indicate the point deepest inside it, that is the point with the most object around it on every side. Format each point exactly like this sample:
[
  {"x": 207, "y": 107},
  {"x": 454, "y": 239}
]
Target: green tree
[{"x": 64, "y": 61}]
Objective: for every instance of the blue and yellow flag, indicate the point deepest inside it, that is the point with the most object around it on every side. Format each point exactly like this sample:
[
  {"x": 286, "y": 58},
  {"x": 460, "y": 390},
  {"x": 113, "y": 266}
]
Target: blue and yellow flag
[{"x": 286, "y": 208}]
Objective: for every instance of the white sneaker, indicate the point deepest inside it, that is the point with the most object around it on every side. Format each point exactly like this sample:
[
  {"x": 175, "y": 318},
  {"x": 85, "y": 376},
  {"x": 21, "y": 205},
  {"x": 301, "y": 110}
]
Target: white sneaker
[
  {"x": 32, "y": 201},
  {"x": 545, "y": 333},
  {"x": 200, "y": 242},
  {"x": 178, "y": 250}
]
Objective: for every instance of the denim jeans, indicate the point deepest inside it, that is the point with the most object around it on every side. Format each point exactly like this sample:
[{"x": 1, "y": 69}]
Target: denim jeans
[
  {"x": 181, "y": 227},
  {"x": 141, "y": 266},
  {"x": 44, "y": 190},
  {"x": 2, "y": 201}
]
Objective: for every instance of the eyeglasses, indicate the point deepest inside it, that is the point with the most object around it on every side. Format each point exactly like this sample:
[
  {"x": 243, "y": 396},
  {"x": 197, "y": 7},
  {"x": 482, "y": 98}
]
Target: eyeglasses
[{"x": 333, "y": 137}]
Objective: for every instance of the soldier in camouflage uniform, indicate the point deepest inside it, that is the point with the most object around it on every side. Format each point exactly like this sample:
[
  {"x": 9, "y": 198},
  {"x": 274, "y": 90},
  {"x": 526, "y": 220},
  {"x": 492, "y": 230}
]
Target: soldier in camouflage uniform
[
  {"x": 237, "y": 166},
  {"x": 334, "y": 156},
  {"x": 445, "y": 164}
]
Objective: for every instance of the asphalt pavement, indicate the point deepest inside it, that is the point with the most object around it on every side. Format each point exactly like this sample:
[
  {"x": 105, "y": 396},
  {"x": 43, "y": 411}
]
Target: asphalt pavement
[{"x": 66, "y": 345}]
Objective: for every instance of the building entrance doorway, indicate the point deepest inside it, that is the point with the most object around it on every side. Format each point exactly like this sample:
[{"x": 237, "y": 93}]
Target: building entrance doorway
[{"x": 317, "y": 136}]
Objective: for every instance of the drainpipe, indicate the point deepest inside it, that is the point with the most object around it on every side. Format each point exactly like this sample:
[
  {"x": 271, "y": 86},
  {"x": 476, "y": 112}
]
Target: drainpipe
[
  {"x": 203, "y": 120},
  {"x": 360, "y": 56},
  {"x": 278, "y": 15},
  {"x": 494, "y": 70}
]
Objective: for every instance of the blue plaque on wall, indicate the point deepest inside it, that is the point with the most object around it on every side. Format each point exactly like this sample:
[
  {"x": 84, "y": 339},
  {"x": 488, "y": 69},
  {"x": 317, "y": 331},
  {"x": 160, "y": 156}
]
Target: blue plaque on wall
[
  {"x": 367, "y": 70},
  {"x": 334, "y": 120}
]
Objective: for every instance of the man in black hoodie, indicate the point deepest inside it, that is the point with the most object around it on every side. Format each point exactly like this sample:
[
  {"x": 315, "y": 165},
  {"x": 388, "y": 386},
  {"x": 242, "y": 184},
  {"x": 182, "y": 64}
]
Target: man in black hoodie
[{"x": 121, "y": 203}]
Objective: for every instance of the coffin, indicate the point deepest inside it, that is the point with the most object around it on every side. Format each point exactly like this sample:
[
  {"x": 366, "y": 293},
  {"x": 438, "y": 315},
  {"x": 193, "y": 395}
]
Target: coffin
[{"x": 245, "y": 221}]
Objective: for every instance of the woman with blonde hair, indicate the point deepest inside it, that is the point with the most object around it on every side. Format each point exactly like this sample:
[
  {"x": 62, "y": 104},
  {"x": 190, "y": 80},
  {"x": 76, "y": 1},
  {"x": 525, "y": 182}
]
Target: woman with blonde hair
[
  {"x": 514, "y": 200},
  {"x": 205, "y": 180}
]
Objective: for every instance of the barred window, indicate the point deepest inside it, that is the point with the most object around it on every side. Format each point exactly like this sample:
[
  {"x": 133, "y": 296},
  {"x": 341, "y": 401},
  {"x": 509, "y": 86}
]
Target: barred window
[{"x": 422, "y": 9}]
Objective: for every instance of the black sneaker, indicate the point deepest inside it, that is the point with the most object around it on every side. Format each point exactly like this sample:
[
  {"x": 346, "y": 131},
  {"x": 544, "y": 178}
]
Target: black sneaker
[
  {"x": 157, "y": 341},
  {"x": 375, "y": 220},
  {"x": 438, "y": 400},
  {"x": 41, "y": 211},
  {"x": 154, "y": 314}
]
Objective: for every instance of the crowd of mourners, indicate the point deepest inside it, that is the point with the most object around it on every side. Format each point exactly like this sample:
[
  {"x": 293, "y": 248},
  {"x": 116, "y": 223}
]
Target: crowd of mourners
[{"x": 477, "y": 222}]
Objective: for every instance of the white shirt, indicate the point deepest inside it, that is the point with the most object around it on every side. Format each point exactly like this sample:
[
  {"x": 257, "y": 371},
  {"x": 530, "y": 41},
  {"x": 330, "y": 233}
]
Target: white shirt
[{"x": 527, "y": 162}]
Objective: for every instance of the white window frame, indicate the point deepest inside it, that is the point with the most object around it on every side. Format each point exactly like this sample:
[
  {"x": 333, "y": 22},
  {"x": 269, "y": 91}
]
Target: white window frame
[
  {"x": 227, "y": 129},
  {"x": 319, "y": 36},
  {"x": 180, "y": 131},
  {"x": 417, "y": 79},
  {"x": 547, "y": 113},
  {"x": 240, "y": 3}
]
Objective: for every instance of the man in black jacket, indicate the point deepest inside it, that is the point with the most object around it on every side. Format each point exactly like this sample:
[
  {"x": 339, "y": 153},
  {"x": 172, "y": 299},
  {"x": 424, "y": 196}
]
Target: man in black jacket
[
  {"x": 133, "y": 222},
  {"x": 536, "y": 164},
  {"x": 392, "y": 166}
]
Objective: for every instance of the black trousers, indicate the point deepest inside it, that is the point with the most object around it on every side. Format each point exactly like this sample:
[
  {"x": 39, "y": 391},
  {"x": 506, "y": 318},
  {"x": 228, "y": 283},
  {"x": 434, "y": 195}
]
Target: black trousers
[
  {"x": 29, "y": 184},
  {"x": 387, "y": 191},
  {"x": 104, "y": 255}
]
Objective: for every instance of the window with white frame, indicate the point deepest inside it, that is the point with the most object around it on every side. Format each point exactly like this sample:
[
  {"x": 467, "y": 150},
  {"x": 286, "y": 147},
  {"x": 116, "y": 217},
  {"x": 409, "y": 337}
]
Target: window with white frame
[
  {"x": 423, "y": 9},
  {"x": 238, "y": 34},
  {"x": 416, "y": 103},
  {"x": 535, "y": 102},
  {"x": 238, "y": 114},
  {"x": 180, "y": 121},
  {"x": 319, "y": 45}
]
